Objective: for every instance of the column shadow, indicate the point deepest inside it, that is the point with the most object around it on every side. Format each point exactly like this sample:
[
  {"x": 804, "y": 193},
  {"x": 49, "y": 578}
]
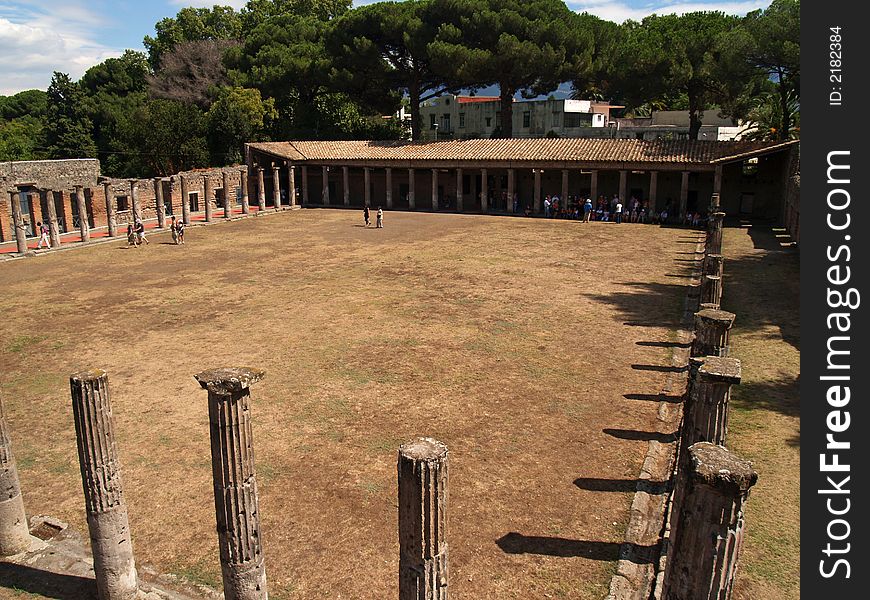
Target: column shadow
[
  {"x": 46, "y": 583},
  {"x": 597, "y": 484},
  {"x": 641, "y": 436},
  {"x": 517, "y": 543}
]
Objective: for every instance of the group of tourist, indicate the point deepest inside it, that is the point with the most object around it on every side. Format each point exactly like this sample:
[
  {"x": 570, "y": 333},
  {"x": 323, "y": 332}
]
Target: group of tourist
[
  {"x": 379, "y": 217},
  {"x": 614, "y": 211},
  {"x": 136, "y": 233}
]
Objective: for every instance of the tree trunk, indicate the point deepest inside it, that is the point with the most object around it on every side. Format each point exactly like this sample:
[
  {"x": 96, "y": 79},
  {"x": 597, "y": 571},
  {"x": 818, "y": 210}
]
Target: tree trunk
[
  {"x": 785, "y": 125},
  {"x": 507, "y": 110},
  {"x": 694, "y": 118},
  {"x": 414, "y": 99}
]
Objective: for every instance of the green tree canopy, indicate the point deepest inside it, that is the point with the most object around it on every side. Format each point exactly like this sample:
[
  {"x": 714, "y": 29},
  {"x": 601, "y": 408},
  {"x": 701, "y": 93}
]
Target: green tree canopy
[
  {"x": 69, "y": 129},
  {"x": 192, "y": 25},
  {"x": 257, "y": 12},
  {"x": 33, "y": 103},
  {"x": 238, "y": 115}
]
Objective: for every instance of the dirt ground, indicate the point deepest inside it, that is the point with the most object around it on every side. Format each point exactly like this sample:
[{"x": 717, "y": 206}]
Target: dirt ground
[{"x": 534, "y": 349}]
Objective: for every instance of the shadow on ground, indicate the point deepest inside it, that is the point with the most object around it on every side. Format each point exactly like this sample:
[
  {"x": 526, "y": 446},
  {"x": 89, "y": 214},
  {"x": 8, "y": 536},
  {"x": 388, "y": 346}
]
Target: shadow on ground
[
  {"x": 21, "y": 578},
  {"x": 517, "y": 543}
]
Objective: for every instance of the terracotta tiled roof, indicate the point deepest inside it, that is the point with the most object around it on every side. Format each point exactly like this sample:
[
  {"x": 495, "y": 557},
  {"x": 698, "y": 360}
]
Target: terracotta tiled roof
[
  {"x": 470, "y": 99},
  {"x": 519, "y": 150}
]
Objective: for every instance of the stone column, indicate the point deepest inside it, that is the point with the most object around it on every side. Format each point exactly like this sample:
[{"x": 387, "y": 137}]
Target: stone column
[
  {"x": 511, "y": 175},
  {"x": 593, "y": 192},
  {"x": 114, "y": 568},
  {"x": 304, "y": 170},
  {"x": 459, "y": 190},
  {"x": 325, "y": 191},
  {"x": 235, "y": 483},
  {"x": 705, "y": 412},
  {"x": 208, "y": 193},
  {"x": 54, "y": 230},
  {"x": 367, "y": 182},
  {"x": 422, "y": 471},
  {"x": 714, "y": 203},
  {"x": 411, "y": 200},
  {"x": 389, "y": 188},
  {"x": 291, "y": 183},
  {"x": 653, "y": 189},
  {"x": 345, "y": 185},
  {"x": 261, "y": 189},
  {"x": 81, "y": 208},
  {"x": 243, "y": 183},
  {"x": 537, "y": 206},
  {"x": 707, "y": 528},
  {"x": 14, "y": 534},
  {"x": 684, "y": 195},
  {"x": 185, "y": 200},
  {"x": 717, "y": 180},
  {"x": 712, "y": 331},
  {"x": 484, "y": 191},
  {"x": 714, "y": 233},
  {"x": 713, "y": 264},
  {"x": 435, "y": 189},
  {"x": 711, "y": 290},
  {"x": 134, "y": 201},
  {"x": 228, "y": 198},
  {"x": 623, "y": 188},
  {"x": 564, "y": 188},
  {"x": 276, "y": 186},
  {"x": 18, "y": 222},
  {"x": 158, "y": 202}
]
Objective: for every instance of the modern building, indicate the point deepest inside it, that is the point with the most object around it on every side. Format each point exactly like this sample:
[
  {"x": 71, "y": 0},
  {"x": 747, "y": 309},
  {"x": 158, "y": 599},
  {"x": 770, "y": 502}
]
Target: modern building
[
  {"x": 674, "y": 125},
  {"x": 468, "y": 117}
]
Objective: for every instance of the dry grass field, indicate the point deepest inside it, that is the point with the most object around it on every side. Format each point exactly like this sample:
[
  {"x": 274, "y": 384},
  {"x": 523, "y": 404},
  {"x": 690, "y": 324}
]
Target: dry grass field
[{"x": 534, "y": 349}]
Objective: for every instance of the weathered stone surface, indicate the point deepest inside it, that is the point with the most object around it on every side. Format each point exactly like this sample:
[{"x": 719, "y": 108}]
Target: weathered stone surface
[
  {"x": 712, "y": 332},
  {"x": 52, "y": 174},
  {"x": 81, "y": 207},
  {"x": 18, "y": 222},
  {"x": 14, "y": 534},
  {"x": 228, "y": 380},
  {"x": 716, "y": 368}
]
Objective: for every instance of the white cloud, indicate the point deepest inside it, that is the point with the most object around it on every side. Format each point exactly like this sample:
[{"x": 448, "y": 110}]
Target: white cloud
[
  {"x": 617, "y": 11},
  {"x": 237, "y": 4},
  {"x": 56, "y": 36}
]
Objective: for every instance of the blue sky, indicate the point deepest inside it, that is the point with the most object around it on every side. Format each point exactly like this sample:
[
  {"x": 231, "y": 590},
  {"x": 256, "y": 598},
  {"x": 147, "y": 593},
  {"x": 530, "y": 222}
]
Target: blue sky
[{"x": 38, "y": 37}]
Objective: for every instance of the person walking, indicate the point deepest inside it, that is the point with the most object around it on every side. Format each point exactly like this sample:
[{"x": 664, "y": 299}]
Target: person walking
[
  {"x": 380, "y": 217},
  {"x": 179, "y": 228},
  {"x": 131, "y": 236},
  {"x": 366, "y": 215},
  {"x": 174, "y": 230},
  {"x": 42, "y": 228},
  {"x": 618, "y": 211},
  {"x": 140, "y": 233},
  {"x": 587, "y": 210}
]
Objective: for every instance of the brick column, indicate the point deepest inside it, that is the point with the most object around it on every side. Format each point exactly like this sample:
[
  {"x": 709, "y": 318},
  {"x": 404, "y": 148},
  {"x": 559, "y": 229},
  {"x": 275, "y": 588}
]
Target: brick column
[
  {"x": 459, "y": 197},
  {"x": 185, "y": 200},
  {"x": 134, "y": 201},
  {"x": 594, "y": 187},
  {"x": 304, "y": 170},
  {"x": 484, "y": 191},
  {"x": 14, "y": 534},
  {"x": 422, "y": 472},
  {"x": 537, "y": 195},
  {"x": 412, "y": 203},
  {"x": 243, "y": 183},
  {"x": 325, "y": 187},
  {"x": 36, "y": 209},
  {"x": 158, "y": 202},
  {"x": 707, "y": 528},
  {"x": 345, "y": 185},
  {"x": 511, "y": 175},
  {"x": 208, "y": 193},
  {"x": 684, "y": 195},
  {"x": 228, "y": 198},
  {"x": 276, "y": 186},
  {"x": 389, "y": 188},
  {"x": 291, "y": 183},
  {"x": 53, "y": 229},
  {"x": 114, "y": 568},
  {"x": 435, "y": 189},
  {"x": 712, "y": 331},
  {"x": 81, "y": 208},
  {"x": 261, "y": 190},
  {"x": 367, "y": 182},
  {"x": 235, "y": 483},
  {"x": 653, "y": 189}
]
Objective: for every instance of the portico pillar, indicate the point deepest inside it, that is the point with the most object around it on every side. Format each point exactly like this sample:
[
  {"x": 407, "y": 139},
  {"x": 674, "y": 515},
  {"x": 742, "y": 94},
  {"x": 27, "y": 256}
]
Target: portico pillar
[
  {"x": 459, "y": 190},
  {"x": 276, "y": 186},
  {"x": 304, "y": 170},
  {"x": 228, "y": 201},
  {"x": 18, "y": 222},
  {"x": 158, "y": 202},
  {"x": 110, "y": 209},
  {"x": 208, "y": 192},
  {"x": 84, "y": 228},
  {"x": 261, "y": 189},
  {"x": 511, "y": 190},
  {"x": 291, "y": 187},
  {"x": 185, "y": 200},
  {"x": 411, "y": 200},
  {"x": 623, "y": 188},
  {"x": 537, "y": 173},
  {"x": 54, "y": 230},
  {"x": 367, "y": 180},
  {"x": 435, "y": 189},
  {"x": 389, "y": 188},
  {"x": 14, "y": 534},
  {"x": 564, "y": 188},
  {"x": 653, "y": 189},
  {"x": 484, "y": 191},
  {"x": 684, "y": 196},
  {"x": 134, "y": 201},
  {"x": 345, "y": 176},
  {"x": 593, "y": 192},
  {"x": 243, "y": 183},
  {"x": 717, "y": 180},
  {"x": 324, "y": 192},
  {"x": 712, "y": 332}
]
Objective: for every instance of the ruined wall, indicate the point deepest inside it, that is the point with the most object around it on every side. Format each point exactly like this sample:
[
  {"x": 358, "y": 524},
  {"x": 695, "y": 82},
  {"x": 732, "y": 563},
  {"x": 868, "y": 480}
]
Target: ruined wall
[{"x": 54, "y": 174}]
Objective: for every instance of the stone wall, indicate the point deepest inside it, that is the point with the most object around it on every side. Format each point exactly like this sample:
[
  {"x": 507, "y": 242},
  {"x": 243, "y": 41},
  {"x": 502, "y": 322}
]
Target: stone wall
[{"x": 54, "y": 174}]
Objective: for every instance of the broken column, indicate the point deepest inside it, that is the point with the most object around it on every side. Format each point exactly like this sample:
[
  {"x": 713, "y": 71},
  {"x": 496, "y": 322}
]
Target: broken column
[
  {"x": 185, "y": 201},
  {"x": 705, "y": 413},
  {"x": 208, "y": 194},
  {"x": 114, "y": 568},
  {"x": 422, "y": 470},
  {"x": 712, "y": 332},
  {"x": 14, "y": 534},
  {"x": 235, "y": 483},
  {"x": 158, "y": 202},
  {"x": 84, "y": 229},
  {"x": 53, "y": 227},
  {"x": 711, "y": 290},
  {"x": 243, "y": 182},
  {"x": 713, "y": 264},
  {"x": 707, "y": 528},
  {"x": 714, "y": 233},
  {"x": 228, "y": 201},
  {"x": 110, "y": 209},
  {"x": 18, "y": 222}
]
